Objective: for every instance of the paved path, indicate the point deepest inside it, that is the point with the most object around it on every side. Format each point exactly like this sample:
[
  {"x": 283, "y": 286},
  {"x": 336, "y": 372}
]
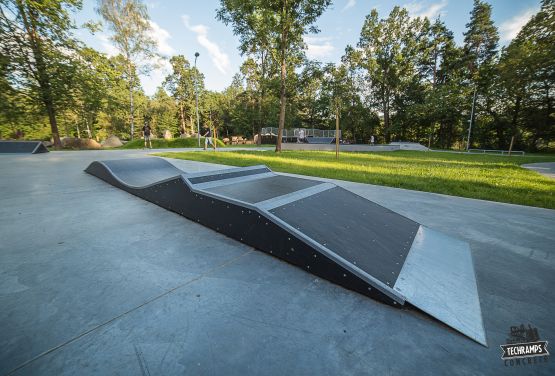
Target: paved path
[
  {"x": 547, "y": 168},
  {"x": 96, "y": 281}
]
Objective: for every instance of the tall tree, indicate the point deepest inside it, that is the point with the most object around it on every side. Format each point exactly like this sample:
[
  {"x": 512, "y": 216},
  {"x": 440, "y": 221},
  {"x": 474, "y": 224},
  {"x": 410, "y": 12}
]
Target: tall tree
[
  {"x": 480, "y": 45},
  {"x": 387, "y": 52},
  {"x": 129, "y": 22},
  {"x": 281, "y": 24},
  {"x": 181, "y": 85},
  {"x": 36, "y": 38}
]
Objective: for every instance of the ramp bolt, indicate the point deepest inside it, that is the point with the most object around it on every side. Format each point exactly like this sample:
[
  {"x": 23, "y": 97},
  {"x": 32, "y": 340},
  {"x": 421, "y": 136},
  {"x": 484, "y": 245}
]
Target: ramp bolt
[{"x": 344, "y": 275}]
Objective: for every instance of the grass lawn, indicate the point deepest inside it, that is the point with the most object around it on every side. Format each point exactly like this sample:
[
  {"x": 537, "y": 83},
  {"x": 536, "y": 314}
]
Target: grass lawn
[{"x": 486, "y": 177}]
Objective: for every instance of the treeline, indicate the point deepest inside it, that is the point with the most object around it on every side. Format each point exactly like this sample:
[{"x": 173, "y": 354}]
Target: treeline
[{"x": 405, "y": 79}]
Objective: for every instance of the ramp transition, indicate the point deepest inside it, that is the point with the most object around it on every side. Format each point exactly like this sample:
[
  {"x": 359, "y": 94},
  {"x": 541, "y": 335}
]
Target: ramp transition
[
  {"x": 320, "y": 227},
  {"x": 28, "y": 147}
]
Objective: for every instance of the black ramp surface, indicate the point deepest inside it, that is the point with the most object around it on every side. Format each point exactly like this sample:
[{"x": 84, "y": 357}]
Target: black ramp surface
[
  {"x": 26, "y": 147},
  {"x": 228, "y": 175},
  {"x": 366, "y": 234},
  {"x": 139, "y": 172},
  {"x": 263, "y": 189}
]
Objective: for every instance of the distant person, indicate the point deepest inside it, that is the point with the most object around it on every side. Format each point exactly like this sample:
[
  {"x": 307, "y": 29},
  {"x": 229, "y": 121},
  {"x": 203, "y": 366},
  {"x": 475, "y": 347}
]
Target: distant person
[
  {"x": 372, "y": 140},
  {"x": 146, "y": 135},
  {"x": 301, "y": 137},
  {"x": 208, "y": 138}
]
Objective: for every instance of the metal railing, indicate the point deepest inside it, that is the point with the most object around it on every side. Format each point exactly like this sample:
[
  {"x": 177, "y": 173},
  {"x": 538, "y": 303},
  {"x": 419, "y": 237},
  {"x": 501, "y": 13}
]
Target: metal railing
[
  {"x": 308, "y": 132},
  {"x": 502, "y": 152}
]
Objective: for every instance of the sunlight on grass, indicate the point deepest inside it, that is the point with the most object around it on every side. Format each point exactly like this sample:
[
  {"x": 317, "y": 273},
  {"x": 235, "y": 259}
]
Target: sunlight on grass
[{"x": 485, "y": 177}]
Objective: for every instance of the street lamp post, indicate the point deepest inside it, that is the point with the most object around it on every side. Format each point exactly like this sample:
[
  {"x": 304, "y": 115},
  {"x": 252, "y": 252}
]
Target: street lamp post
[{"x": 196, "y": 99}]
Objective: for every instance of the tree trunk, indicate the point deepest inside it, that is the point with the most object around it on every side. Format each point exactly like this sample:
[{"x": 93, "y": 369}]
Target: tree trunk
[
  {"x": 88, "y": 128},
  {"x": 182, "y": 117},
  {"x": 386, "y": 119},
  {"x": 282, "y": 97},
  {"x": 131, "y": 103},
  {"x": 336, "y": 133},
  {"x": 261, "y": 100},
  {"x": 42, "y": 76}
]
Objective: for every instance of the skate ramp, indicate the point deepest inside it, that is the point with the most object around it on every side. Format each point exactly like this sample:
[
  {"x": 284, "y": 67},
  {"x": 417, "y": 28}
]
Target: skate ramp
[
  {"x": 321, "y": 228},
  {"x": 25, "y": 147}
]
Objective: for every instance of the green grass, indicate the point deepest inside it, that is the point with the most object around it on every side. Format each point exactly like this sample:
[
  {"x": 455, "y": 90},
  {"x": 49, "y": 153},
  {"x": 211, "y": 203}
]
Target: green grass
[
  {"x": 161, "y": 143},
  {"x": 486, "y": 177}
]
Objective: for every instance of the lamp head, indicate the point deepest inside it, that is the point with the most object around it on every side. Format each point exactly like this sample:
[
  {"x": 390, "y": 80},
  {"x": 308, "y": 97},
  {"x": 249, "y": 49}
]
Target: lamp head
[{"x": 197, "y": 54}]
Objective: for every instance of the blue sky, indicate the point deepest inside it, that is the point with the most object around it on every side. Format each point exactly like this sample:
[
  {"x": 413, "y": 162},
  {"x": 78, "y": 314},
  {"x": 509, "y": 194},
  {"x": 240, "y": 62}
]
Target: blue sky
[{"x": 186, "y": 26}]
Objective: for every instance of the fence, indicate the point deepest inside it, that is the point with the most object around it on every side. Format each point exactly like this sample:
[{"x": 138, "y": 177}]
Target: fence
[{"x": 308, "y": 132}]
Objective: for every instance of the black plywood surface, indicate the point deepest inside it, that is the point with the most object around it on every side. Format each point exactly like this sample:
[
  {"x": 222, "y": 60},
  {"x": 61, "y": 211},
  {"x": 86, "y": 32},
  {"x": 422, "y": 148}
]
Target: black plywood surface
[
  {"x": 263, "y": 189},
  {"x": 368, "y": 235},
  {"x": 228, "y": 175},
  {"x": 139, "y": 172},
  {"x": 22, "y": 147}
]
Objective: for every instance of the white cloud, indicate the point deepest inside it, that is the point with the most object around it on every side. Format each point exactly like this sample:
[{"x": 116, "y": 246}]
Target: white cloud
[
  {"x": 106, "y": 44},
  {"x": 510, "y": 28},
  {"x": 349, "y": 5},
  {"x": 219, "y": 58},
  {"x": 318, "y": 47},
  {"x": 420, "y": 9},
  {"x": 161, "y": 37}
]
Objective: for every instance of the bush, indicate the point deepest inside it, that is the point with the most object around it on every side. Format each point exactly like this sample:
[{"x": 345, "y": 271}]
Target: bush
[{"x": 160, "y": 143}]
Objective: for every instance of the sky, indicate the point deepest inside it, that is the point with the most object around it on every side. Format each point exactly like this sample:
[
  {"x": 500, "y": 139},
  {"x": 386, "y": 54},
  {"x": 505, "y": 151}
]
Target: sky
[{"x": 188, "y": 26}]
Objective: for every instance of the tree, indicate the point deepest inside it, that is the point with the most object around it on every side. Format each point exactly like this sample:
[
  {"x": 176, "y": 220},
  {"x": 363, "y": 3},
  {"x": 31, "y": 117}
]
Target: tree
[
  {"x": 129, "y": 22},
  {"x": 480, "y": 46},
  {"x": 527, "y": 78},
  {"x": 181, "y": 85},
  {"x": 387, "y": 52},
  {"x": 36, "y": 45},
  {"x": 279, "y": 24}
]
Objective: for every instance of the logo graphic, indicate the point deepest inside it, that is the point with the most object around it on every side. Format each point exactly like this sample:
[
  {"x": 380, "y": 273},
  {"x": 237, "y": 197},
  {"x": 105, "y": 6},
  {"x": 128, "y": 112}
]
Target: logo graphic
[{"x": 524, "y": 346}]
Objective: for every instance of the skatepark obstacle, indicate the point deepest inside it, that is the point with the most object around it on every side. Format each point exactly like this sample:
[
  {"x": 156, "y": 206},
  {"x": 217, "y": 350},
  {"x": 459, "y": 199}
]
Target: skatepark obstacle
[
  {"x": 320, "y": 227},
  {"x": 28, "y": 147}
]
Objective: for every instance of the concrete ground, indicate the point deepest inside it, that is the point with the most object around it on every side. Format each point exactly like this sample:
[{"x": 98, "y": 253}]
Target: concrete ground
[
  {"x": 547, "y": 168},
  {"x": 95, "y": 281}
]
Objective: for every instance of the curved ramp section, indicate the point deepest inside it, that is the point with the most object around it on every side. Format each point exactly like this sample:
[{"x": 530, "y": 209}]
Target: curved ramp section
[
  {"x": 27, "y": 147},
  {"x": 320, "y": 227}
]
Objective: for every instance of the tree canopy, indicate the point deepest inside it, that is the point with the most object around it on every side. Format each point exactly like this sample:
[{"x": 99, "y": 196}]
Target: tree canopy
[{"x": 405, "y": 79}]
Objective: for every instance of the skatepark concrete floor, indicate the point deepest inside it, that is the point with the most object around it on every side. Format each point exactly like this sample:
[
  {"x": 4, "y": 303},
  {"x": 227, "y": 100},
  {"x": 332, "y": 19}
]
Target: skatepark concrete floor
[{"x": 95, "y": 281}]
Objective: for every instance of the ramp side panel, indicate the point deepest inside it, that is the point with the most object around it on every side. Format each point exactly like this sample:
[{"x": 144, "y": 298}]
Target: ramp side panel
[
  {"x": 366, "y": 234},
  {"x": 263, "y": 189},
  {"x": 438, "y": 278}
]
